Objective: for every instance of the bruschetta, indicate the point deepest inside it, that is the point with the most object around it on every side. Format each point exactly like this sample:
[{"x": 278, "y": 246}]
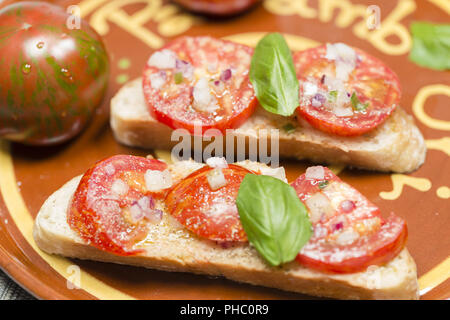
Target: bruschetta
[
  {"x": 316, "y": 235},
  {"x": 348, "y": 104}
]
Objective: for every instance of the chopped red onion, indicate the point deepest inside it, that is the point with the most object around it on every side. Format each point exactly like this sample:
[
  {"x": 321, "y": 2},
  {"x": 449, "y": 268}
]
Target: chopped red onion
[
  {"x": 319, "y": 231},
  {"x": 347, "y": 206},
  {"x": 154, "y": 216},
  {"x": 136, "y": 213},
  {"x": 318, "y": 100},
  {"x": 180, "y": 63},
  {"x": 358, "y": 58},
  {"x": 186, "y": 69},
  {"x": 225, "y": 244},
  {"x": 315, "y": 173},
  {"x": 338, "y": 226},
  {"x": 163, "y": 74},
  {"x": 226, "y": 75},
  {"x": 322, "y": 80}
]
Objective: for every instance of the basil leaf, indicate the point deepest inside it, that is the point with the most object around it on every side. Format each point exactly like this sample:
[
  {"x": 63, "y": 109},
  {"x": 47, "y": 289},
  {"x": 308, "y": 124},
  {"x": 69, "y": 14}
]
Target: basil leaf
[
  {"x": 273, "y": 76},
  {"x": 275, "y": 220},
  {"x": 357, "y": 105},
  {"x": 289, "y": 128},
  {"x": 332, "y": 96},
  {"x": 178, "y": 77},
  {"x": 323, "y": 184},
  {"x": 431, "y": 45}
]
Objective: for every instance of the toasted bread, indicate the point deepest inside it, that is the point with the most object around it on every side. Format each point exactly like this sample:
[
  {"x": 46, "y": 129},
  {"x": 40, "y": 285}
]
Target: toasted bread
[
  {"x": 395, "y": 146},
  {"x": 171, "y": 247}
]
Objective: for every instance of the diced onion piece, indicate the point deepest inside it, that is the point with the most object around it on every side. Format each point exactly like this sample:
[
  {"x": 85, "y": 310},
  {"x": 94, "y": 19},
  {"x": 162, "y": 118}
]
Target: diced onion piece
[
  {"x": 347, "y": 206},
  {"x": 334, "y": 84},
  {"x": 216, "y": 179},
  {"x": 155, "y": 216},
  {"x": 109, "y": 169},
  {"x": 186, "y": 69},
  {"x": 320, "y": 231},
  {"x": 319, "y": 205},
  {"x": 345, "y": 59},
  {"x": 203, "y": 99},
  {"x": 309, "y": 88},
  {"x": 226, "y": 75},
  {"x": 278, "y": 173},
  {"x": 164, "y": 59},
  {"x": 157, "y": 180},
  {"x": 347, "y": 236},
  {"x": 144, "y": 208},
  {"x": 212, "y": 67},
  {"x": 341, "y": 98},
  {"x": 315, "y": 173},
  {"x": 318, "y": 100},
  {"x": 217, "y": 162},
  {"x": 146, "y": 204},
  {"x": 136, "y": 213},
  {"x": 119, "y": 187},
  {"x": 158, "y": 79},
  {"x": 343, "y": 112}
]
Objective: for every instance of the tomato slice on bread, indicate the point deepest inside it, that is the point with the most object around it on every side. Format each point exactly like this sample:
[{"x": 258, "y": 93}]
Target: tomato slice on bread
[
  {"x": 349, "y": 232},
  {"x": 112, "y": 208},
  {"x": 200, "y": 81},
  {"x": 209, "y": 213},
  {"x": 343, "y": 90}
]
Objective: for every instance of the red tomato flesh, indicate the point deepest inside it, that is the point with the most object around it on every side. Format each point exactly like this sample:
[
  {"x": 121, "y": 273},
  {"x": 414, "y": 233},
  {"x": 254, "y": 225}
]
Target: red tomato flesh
[
  {"x": 349, "y": 232},
  {"x": 170, "y": 92},
  {"x": 373, "y": 83},
  {"x": 101, "y": 216},
  {"x": 207, "y": 213}
]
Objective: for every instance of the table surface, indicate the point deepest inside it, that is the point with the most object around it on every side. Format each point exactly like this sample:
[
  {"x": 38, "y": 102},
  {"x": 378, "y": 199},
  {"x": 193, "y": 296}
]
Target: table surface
[{"x": 9, "y": 290}]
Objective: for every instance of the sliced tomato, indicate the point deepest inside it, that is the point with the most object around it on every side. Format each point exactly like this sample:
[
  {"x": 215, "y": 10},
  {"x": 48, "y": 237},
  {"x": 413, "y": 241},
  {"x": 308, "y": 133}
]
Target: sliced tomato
[
  {"x": 349, "y": 232},
  {"x": 208, "y": 213},
  {"x": 200, "y": 81},
  {"x": 100, "y": 211},
  {"x": 374, "y": 88}
]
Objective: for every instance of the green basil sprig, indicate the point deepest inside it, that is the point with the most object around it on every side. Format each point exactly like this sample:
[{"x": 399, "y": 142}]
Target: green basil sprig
[
  {"x": 357, "y": 104},
  {"x": 273, "y": 76},
  {"x": 275, "y": 220},
  {"x": 431, "y": 45}
]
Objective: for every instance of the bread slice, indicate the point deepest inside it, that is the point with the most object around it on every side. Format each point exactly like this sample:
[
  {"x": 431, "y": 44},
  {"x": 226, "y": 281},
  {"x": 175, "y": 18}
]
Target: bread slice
[
  {"x": 395, "y": 146},
  {"x": 169, "y": 246}
]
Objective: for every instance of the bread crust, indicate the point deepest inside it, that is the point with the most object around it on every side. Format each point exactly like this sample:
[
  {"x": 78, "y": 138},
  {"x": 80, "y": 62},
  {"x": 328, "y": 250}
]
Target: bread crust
[
  {"x": 395, "y": 146},
  {"x": 171, "y": 247}
]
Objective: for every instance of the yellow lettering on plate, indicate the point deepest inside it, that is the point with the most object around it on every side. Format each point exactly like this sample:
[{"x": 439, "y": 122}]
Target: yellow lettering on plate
[
  {"x": 443, "y": 4},
  {"x": 168, "y": 18},
  {"x": 443, "y": 192},
  {"x": 391, "y": 26},
  {"x": 442, "y": 144},
  {"x": 349, "y": 13},
  {"x": 419, "y": 102},
  {"x": 400, "y": 180}
]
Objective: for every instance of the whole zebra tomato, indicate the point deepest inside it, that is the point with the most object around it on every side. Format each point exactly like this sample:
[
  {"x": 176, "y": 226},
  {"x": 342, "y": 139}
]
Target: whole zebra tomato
[{"x": 54, "y": 70}]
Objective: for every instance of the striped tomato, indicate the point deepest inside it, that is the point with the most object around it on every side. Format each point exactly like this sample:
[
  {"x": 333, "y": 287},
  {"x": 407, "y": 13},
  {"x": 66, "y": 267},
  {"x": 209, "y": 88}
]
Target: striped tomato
[{"x": 52, "y": 76}]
